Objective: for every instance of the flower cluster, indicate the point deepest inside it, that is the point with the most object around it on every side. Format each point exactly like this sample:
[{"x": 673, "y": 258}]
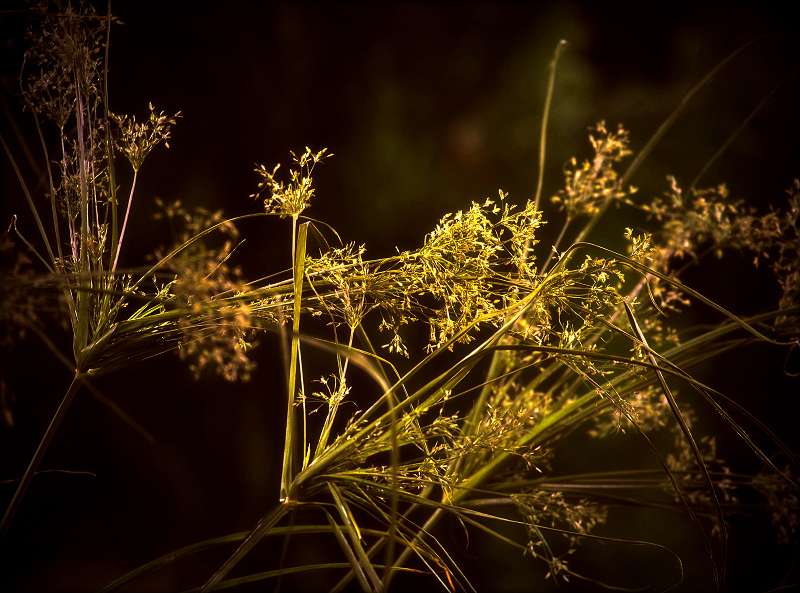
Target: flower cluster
[
  {"x": 217, "y": 327},
  {"x": 294, "y": 197},
  {"x": 136, "y": 140},
  {"x": 592, "y": 184}
]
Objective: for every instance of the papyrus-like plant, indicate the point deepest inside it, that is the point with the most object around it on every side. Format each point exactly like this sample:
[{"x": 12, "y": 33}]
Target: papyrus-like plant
[
  {"x": 117, "y": 316},
  {"x": 528, "y": 342}
]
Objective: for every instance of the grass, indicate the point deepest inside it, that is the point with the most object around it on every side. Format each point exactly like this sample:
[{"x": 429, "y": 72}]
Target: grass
[{"x": 529, "y": 344}]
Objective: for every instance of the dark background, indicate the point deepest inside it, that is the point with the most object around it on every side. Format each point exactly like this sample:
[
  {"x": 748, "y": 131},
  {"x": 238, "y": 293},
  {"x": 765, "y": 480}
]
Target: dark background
[{"x": 427, "y": 107}]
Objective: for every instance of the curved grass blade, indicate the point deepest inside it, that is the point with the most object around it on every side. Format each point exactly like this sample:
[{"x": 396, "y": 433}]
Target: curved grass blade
[
  {"x": 741, "y": 127},
  {"x": 348, "y": 552},
  {"x": 355, "y": 537},
  {"x": 679, "y": 285},
  {"x": 562, "y": 45},
  {"x": 719, "y": 574},
  {"x": 28, "y": 197},
  {"x": 169, "y": 559},
  {"x": 406, "y": 533},
  {"x": 263, "y": 527},
  {"x": 702, "y": 342},
  {"x": 263, "y": 576},
  {"x": 175, "y": 251}
]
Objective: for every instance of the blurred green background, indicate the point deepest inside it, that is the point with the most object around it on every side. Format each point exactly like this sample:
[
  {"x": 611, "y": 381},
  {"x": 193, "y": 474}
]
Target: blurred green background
[{"x": 427, "y": 107}]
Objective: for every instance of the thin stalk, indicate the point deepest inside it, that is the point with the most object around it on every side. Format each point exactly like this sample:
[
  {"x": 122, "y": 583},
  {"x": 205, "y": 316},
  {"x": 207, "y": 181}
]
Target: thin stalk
[
  {"x": 54, "y": 210},
  {"x": 562, "y": 45},
  {"x": 39, "y": 224},
  {"x": 395, "y": 502},
  {"x": 118, "y": 244},
  {"x": 93, "y": 174},
  {"x": 479, "y": 407},
  {"x": 555, "y": 245},
  {"x": 92, "y": 389},
  {"x": 73, "y": 236},
  {"x": 287, "y": 473},
  {"x": 322, "y": 443},
  {"x": 741, "y": 127},
  {"x": 112, "y": 187},
  {"x": 40, "y": 451},
  {"x": 84, "y": 282}
]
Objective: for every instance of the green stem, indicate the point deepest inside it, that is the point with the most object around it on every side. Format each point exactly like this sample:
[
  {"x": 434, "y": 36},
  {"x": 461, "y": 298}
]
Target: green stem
[
  {"x": 299, "y": 256},
  {"x": 334, "y": 406}
]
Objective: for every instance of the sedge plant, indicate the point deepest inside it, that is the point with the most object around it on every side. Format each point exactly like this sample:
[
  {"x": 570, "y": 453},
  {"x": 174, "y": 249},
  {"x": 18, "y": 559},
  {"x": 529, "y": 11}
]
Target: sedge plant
[
  {"x": 117, "y": 316},
  {"x": 527, "y": 344}
]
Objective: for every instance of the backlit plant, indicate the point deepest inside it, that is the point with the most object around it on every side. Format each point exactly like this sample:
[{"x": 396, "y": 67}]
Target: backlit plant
[{"x": 527, "y": 343}]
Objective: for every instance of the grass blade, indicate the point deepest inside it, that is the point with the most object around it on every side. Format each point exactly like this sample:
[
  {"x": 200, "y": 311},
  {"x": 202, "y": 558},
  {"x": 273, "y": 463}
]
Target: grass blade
[
  {"x": 349, "y": 554},
  {"x": 261, "y": 529},
  {"x": 719, "y": 574},
  {"x": 355, "y": 536},
  {"x": 562, "y": 45}
]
